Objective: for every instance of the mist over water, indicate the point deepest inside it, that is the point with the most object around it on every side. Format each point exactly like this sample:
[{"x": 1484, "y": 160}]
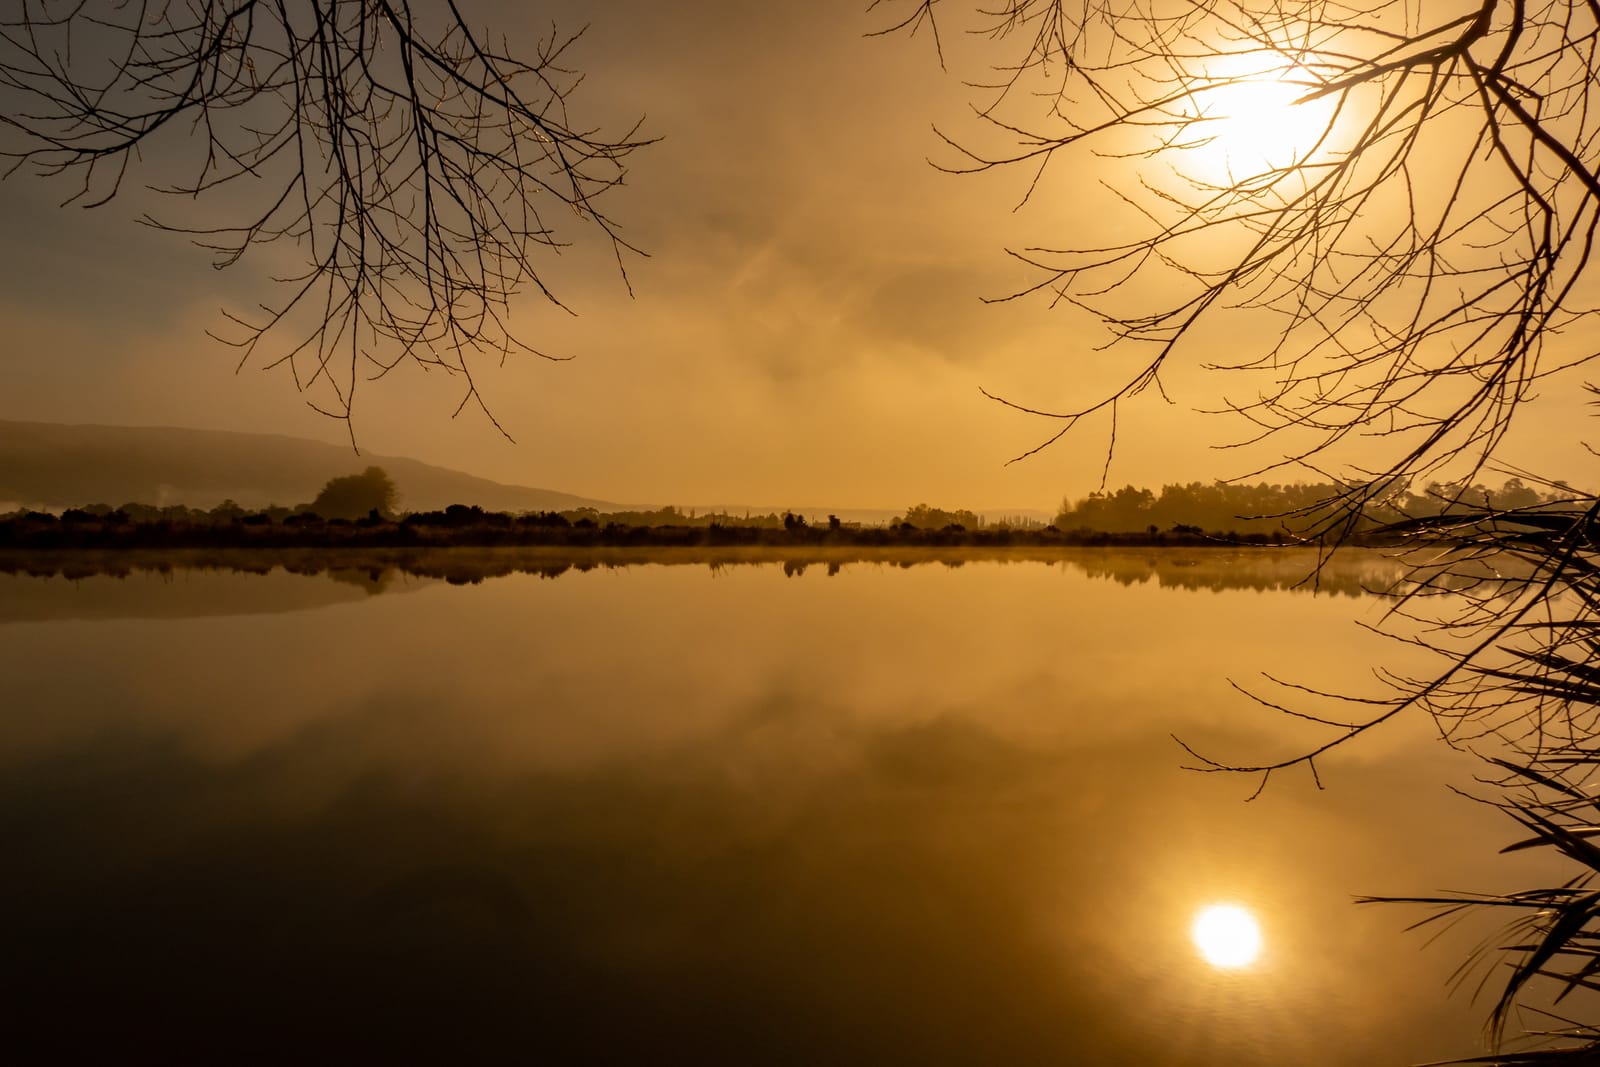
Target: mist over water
[{"x": 845, "y": 812}]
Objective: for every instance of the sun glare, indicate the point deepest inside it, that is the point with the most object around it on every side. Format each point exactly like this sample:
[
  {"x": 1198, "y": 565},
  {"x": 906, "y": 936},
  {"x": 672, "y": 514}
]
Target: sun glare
[
  {"x": 1226, "y": 935},
  {"x": 1250, "y": 123}
]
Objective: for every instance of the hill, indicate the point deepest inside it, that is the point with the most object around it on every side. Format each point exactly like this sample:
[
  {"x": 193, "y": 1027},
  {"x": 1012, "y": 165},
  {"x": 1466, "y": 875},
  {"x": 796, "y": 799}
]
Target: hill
[{"x": 57, "y": 466}]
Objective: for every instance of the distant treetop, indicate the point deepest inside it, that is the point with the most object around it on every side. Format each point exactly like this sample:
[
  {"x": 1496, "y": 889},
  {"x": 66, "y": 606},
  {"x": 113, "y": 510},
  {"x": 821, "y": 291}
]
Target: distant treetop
[{"x": 354, "y": 496}]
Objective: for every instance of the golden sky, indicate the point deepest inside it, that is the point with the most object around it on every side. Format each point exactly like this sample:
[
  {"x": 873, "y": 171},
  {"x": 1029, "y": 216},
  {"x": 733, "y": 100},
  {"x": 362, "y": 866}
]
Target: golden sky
[{"x": 807, "y": 330}]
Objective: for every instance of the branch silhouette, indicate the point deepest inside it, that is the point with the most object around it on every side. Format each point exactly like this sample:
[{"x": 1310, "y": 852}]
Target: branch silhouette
[
  {"x": 1419, "y": 246},
  {"x": 413, "y": 173}
]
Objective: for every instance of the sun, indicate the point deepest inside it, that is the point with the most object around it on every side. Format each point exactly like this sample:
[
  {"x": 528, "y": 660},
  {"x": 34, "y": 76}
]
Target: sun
[
  {"x": 1242, "y": 122},
  {"x": 1226, "y": 935}
]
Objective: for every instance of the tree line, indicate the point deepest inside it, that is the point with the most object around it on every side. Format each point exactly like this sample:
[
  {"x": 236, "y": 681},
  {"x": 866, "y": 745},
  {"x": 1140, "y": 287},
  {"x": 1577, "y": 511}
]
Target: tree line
[
  {"x": 1224, "y": 508},
  {"x": 1259, "y": 513}
]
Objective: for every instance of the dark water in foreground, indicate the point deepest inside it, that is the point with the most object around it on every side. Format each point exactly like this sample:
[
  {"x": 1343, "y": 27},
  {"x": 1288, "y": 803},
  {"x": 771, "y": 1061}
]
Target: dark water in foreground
[{"x": 694, "y": 814}]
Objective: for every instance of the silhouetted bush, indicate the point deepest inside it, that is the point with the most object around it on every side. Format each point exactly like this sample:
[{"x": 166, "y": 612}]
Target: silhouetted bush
[{"x": 356, "y": 495}]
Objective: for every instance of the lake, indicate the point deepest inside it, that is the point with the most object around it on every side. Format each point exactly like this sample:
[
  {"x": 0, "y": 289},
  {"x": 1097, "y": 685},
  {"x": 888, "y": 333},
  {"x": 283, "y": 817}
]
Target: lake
[{"x": 718, "y": 809}]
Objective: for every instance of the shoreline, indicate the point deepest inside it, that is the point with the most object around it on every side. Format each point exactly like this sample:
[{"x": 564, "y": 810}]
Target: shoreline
[{"x": 47, "y": 534}]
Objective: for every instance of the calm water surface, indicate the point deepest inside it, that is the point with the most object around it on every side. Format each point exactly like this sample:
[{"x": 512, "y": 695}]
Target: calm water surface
[{"x": 866, "y": 814}]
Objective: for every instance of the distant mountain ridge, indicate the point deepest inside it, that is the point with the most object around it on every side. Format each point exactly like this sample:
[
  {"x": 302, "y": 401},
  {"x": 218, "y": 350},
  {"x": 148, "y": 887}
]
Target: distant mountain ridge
[{"x": 56, "y": 465}]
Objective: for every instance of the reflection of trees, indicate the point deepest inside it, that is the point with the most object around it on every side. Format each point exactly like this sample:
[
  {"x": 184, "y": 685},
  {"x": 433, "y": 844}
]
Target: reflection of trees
[
  {"x": 112, "y": 589},
  {"x": 1352, "y": 574}
]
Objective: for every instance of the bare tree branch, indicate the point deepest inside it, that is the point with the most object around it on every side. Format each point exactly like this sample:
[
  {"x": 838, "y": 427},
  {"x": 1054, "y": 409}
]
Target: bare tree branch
[
  {"x": 419, "y": 173},
  {"x": 1419, "y": 246}
]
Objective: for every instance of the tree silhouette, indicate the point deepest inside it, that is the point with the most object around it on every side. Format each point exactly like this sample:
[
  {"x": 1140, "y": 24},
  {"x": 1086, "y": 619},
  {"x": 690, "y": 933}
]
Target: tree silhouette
[
  {"x": 355, "y": 496},
  {"x": 924, "y": 517},
  {"x": 1223, "y": 507},
  {"x": 418, "y": 170}
]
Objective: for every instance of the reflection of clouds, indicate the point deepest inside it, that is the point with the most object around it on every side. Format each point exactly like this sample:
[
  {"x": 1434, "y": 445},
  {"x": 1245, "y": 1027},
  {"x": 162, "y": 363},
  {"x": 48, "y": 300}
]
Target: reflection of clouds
[
  {"x": 896, "y": 815},
  {"x": 937, "y": 892},
  {"x": 576, "y": 671}
]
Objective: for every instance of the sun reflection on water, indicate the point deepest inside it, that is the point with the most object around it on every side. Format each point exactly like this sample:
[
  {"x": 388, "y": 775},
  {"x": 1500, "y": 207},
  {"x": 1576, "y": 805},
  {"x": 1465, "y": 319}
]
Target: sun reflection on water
[{"x": 1227, "y": 936}]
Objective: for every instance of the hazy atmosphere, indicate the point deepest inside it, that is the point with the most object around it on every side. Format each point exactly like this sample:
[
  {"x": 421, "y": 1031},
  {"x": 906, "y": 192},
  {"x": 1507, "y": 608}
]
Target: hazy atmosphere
[
  {"x": 808, "y": 327},
  {"x": 956, "y": 533}
]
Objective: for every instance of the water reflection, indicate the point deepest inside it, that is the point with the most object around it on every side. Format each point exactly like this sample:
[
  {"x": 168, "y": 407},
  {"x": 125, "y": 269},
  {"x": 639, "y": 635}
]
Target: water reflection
[
  {"x": 927, "y": 815},
  {"x": 1227, "y": 935},
  {"x": 164, "y": 591},
  {"x": 195, "y": 588}
]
